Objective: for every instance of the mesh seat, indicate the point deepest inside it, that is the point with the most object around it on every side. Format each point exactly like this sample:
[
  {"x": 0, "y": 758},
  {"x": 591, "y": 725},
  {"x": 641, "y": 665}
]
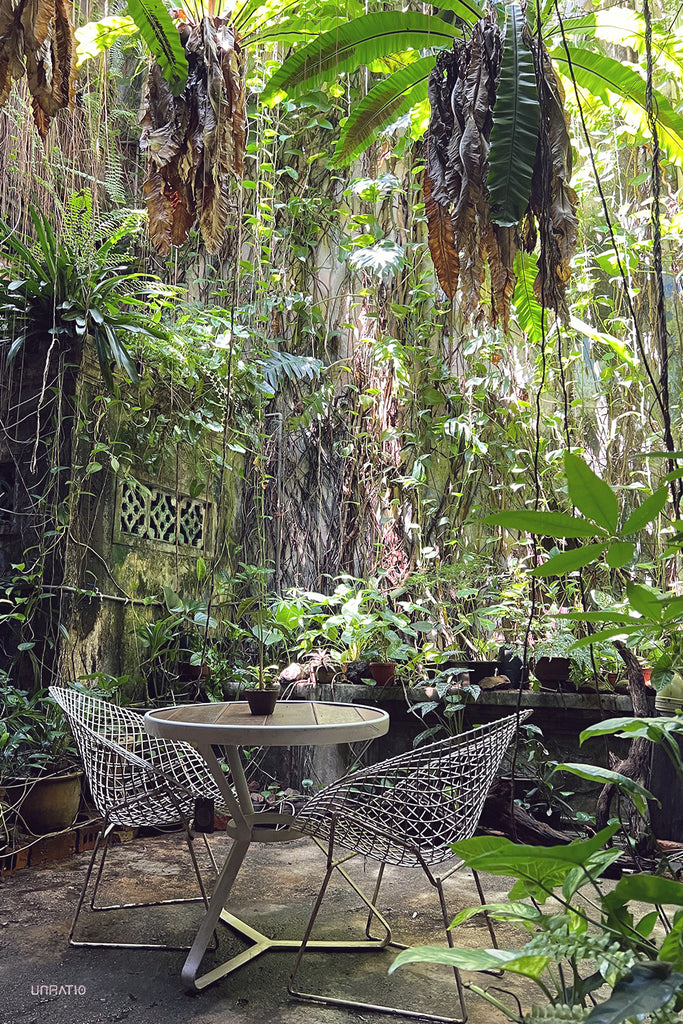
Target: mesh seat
[
  {"x": 135, "y": 781},
  {"x": 406, "y": 811}
]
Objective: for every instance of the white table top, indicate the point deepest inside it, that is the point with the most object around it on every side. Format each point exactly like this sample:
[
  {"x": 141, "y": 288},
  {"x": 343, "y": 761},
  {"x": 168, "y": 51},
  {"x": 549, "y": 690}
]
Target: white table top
[{"x": 293, "y": 723}]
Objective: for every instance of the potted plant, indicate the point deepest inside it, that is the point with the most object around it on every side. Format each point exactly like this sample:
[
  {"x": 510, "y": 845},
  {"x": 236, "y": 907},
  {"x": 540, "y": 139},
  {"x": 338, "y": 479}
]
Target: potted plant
[
  {"x": 556, "y": 657},
  {"x": 263, "y": 689},
  {"x": 39, "y": 766},
  {"x": 174, "y": 645},
  {"x": 322, "y": 664}
]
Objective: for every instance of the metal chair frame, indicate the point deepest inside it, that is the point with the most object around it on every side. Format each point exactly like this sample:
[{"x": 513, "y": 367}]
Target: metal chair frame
[
  {"x": 135, "y": 780},
  {"x": 405, "y": 811}
]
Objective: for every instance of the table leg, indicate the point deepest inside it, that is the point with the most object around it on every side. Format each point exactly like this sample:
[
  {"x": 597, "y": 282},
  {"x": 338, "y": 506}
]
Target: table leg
[
  {"x": 220, "y": 894},
  {"x": 261, "y": 943},
  {"x": 231, "y": 867}
]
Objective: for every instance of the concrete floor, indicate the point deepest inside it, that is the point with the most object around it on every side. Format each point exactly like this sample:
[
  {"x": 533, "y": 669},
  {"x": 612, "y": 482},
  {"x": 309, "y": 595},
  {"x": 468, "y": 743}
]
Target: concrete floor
[{"x": 274, "y": 891}]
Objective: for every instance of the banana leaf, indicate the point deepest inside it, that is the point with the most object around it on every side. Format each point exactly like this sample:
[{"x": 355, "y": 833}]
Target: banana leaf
[
  {"x": 619, "y": 85},
  {"x": 389, "y": 100},
  {"x": 357, "y": 43}
]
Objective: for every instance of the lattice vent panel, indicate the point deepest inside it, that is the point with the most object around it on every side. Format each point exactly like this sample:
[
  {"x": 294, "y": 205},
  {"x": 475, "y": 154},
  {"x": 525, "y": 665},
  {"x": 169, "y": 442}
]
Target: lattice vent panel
[{"x": 160, "y": 517}]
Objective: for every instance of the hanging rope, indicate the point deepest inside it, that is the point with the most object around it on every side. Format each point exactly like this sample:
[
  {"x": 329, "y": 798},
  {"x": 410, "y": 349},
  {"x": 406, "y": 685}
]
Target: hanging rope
[{"x": 663, "y": 405}]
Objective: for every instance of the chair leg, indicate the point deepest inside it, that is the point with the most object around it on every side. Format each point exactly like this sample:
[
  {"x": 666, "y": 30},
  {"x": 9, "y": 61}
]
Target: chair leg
[
  {"x": 489, "y": 922},
  {"x": 324, "y": 1000},
  {"x": 210, "y": 853},
  {"x": 102, "y": 843}
]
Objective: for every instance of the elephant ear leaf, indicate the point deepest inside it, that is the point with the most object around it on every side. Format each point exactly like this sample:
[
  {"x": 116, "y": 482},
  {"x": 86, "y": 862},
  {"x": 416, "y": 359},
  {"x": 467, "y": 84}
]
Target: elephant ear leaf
[
  {"x": 163, "y": 40},
  {"x": 514, "y": 135}
]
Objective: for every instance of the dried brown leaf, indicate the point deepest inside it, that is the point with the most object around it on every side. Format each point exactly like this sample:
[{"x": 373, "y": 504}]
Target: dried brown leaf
[
  {"x": 159, "y": 212},
  {"x": 501, "y": 244},
  {"x": 441, "y": 242},
  {"x": 37, "y": 18}
]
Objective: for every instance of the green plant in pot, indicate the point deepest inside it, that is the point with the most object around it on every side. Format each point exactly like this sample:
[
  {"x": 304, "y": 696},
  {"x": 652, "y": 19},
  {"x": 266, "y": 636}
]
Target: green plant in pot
[
  {"x": 387, "y": 647},
  {"x": 175, "y": 645},
  {"x": 39, "y": 765}
]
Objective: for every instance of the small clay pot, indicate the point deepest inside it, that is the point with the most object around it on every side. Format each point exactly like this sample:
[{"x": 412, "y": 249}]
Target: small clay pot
[
  {"x": 262, "y": 702},
  {"x": 552, "y": 670},
  {"x": 383, "y": 672}
]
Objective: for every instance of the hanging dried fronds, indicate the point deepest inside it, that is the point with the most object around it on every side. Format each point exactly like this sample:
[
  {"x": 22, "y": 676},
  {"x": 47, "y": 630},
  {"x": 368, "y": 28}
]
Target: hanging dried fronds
[
  {"x": 37, "y": 40},
  {"x": 195, "y": 141},
  {"x": 499, "y": 162}
]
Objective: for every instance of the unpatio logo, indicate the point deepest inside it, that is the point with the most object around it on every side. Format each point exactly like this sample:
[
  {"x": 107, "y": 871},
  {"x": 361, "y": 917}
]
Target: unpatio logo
[{"x": 57, "y": 990}]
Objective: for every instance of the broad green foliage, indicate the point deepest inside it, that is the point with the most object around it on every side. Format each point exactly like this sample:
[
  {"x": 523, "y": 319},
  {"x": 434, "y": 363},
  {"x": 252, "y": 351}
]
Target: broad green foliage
[
  {"x": 360, "y": 41},
  {"x": 646, "y": 614},
  {"x": 599, "y": 521},
  {"x": 161, "y": 36},
  {"x": 596, "y": 942}
]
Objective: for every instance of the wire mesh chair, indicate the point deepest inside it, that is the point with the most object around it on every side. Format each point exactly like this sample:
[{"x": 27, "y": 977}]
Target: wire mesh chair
[
  {"x": 406, "y": 811},
  {"x": 135, "y": 780}
]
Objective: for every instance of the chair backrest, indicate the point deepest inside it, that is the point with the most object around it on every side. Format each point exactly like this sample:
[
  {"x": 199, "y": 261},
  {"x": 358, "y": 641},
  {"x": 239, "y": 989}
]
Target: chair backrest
[
  {"x": 120, "y": 759},
  {"x": 410, "y": 808}
]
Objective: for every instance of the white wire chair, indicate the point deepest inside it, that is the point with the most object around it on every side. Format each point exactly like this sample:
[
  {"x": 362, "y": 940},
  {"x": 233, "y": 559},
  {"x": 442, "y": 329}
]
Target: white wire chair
[
  {"x": 135, "y": 781},
  {"x": 405, "y": 811}
]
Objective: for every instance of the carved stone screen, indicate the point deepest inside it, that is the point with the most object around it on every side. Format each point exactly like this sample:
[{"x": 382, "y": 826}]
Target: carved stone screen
[{"x": 161, "y": 517}]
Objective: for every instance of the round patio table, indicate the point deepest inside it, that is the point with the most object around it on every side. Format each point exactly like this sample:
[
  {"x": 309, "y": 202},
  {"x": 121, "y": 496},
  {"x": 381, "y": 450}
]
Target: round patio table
[{"x": 231, "y": 725}]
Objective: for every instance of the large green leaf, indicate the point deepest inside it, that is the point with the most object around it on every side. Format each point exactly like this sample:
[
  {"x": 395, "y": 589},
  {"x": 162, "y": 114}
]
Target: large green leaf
[
  {"x": 385, "y": 103},
  {"x": 163, "y": 40},
  {"x": 544, "y": 867},
  {"x": 545, "y": 524},
  {"x": 620, "y": 553},
  {"x": 648, "y": 889},
  {"x": 645, "y": 600},
  {"x": 647, "y": 512},
  {"x": 620, "y": 26},
  {"x": 645, "y": 988},
  {"x": 358, "y": 42},
  {"x": 530, "y": 312},
  {"x": 97, "y": 36},
  {"x": 617, "y": 84},
  {"x": 474, "y": 959},
  {"x": 592, "y": 496},
  {"x": 638, "y": 794},
  {"x": 568, "y": 561},
  {"x": 514, "y": 136}
]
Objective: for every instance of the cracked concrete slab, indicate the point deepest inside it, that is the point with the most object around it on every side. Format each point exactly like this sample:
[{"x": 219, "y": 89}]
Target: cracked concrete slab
[{"x": 45, "y": 980}]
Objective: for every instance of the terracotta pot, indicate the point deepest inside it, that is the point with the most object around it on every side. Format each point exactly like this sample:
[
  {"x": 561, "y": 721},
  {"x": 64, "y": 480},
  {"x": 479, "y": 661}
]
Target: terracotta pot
[
  {"x": 552, "y": 670},
  {"x": 383, "y": 672},
  {"x": 262, "y": 702},
  {"x": 47, "y": 805},
  {"x": 188, "y": 671}
]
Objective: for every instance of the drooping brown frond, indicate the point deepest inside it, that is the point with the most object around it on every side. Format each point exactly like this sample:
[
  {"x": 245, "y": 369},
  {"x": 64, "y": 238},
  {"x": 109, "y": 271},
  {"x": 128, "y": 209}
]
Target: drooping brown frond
[
  {"x": 36, "y": 40},
  {"x": 441, "y": 240},
  {"x": 553, "y": 202},
  {"x": 501, "y": 247},
  {"x": 462, "y": 95},
  {"x": 196, "y": 140},
  {"x": 159, "y": 212}
]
